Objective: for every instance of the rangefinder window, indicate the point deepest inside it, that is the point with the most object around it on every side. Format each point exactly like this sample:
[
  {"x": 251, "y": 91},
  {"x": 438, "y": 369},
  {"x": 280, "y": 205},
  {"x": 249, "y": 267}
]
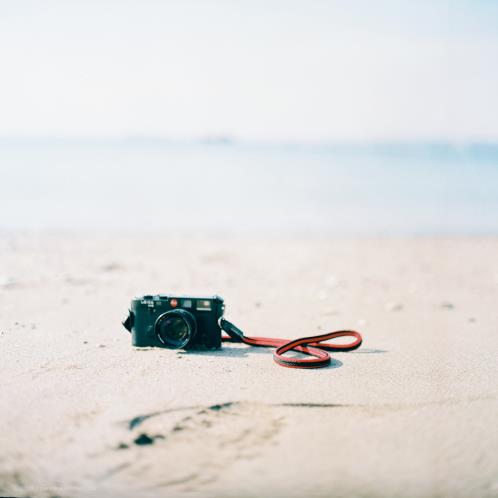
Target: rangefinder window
[{"x": 203, "y": 305}]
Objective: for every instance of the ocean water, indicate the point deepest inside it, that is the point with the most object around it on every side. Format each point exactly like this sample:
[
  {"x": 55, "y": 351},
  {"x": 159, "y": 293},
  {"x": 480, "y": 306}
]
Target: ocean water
[{"x": 156, "y": 185}]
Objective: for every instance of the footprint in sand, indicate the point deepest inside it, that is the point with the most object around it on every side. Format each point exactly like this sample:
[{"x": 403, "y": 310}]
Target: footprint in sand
[{"x": 157, "y": 448}]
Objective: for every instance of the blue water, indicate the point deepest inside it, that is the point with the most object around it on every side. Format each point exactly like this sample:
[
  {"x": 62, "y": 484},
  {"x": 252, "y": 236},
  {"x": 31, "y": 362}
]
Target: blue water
[{"x": 149, "y": 185}]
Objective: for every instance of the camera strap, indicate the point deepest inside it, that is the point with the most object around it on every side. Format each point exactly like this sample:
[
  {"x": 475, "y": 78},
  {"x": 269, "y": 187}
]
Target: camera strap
[{"x": 315, "y": 346}]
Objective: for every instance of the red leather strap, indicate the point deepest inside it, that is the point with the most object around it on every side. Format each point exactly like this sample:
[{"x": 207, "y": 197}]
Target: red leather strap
[{"x": 314, "y": 346}]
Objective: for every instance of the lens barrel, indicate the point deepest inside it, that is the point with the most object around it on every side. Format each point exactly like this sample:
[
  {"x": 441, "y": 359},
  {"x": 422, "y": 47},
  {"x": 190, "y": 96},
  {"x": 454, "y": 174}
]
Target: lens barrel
[{"x": 175, "y": 328}]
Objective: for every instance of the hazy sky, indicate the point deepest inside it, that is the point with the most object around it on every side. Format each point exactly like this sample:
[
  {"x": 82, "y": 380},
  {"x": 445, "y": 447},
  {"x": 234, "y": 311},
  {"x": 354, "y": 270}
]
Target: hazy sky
[{"x": 272, "y": 70}]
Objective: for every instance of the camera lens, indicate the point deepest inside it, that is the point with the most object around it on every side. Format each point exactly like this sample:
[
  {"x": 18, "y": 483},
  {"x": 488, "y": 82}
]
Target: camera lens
[{"x": 176, "y": 328}]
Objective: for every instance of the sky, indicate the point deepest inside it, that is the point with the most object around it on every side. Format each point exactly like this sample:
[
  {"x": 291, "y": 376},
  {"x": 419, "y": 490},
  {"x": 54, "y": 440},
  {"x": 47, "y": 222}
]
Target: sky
[{"x": 267, "y": 70}]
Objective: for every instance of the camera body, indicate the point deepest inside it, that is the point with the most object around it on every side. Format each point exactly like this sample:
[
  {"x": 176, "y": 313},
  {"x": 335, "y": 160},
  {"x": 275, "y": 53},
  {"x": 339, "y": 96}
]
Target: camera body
[{"x": 175, "y": 322}]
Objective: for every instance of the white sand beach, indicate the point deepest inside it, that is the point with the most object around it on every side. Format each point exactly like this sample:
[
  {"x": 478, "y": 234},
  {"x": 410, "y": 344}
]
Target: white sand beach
[{"x": 412, "y": 413}]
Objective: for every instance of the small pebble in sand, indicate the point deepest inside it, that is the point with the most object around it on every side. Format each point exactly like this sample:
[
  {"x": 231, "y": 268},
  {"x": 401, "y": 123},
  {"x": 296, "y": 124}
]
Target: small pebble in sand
[
  {"x": 331, "y": 281},
  {"x": 392, "y": 306},
  {"x": 447, "y": 306},
  {"x": 85, "y": 342},
  {"x": 143, "y": 439},
  {"x": 258, "y": 304},
  {"x": 472, "y": 320},
  {"x": 101, "y": 345},
  {"x": 113, "y": 266}
]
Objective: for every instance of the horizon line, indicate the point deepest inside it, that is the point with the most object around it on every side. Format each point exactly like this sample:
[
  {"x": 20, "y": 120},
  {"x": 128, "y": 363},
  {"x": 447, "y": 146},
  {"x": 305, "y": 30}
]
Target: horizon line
[{"x": 227, "y": 139}]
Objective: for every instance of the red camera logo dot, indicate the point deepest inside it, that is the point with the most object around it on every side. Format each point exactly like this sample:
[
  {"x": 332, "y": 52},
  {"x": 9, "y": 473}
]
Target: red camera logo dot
[{"x": 173, "y": 303}]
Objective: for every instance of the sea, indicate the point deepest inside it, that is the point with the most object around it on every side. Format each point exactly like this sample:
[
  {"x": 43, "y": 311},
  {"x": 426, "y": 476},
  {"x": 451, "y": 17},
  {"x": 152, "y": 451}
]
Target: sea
[{"x": 224, "y": 186}]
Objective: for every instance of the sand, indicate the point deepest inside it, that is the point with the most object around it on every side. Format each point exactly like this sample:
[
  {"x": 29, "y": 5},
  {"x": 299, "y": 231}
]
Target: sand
[{"x": 412, "y": 413}]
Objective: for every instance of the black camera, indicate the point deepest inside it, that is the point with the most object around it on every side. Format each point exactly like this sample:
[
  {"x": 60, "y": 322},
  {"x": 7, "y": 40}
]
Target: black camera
[{"x": 176, "y": 322}]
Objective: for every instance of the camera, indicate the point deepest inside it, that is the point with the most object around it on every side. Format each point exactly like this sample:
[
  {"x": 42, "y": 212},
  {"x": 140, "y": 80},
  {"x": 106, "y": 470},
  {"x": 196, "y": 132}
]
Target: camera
[{"x": 175, "y": 322}]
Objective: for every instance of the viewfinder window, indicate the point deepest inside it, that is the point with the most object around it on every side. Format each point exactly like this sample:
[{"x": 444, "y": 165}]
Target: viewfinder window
[{"x": 204, "y": 305}]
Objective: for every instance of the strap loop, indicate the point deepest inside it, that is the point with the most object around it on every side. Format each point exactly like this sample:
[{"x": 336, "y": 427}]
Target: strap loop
[{"x": 314, "y": 346}]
